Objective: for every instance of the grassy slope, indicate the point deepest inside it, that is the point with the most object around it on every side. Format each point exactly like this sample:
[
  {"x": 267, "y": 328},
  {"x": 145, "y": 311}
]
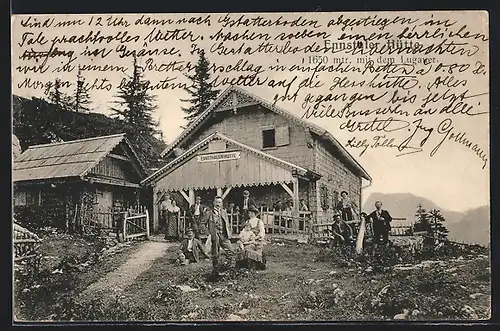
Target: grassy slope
[
  {"x": 37, "y": 299},
  {"x": 298, "y": 285}
]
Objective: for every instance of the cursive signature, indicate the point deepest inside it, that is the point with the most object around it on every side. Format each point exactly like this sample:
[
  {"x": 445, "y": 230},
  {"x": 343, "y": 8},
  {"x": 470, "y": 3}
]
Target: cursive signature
[
  {"x": 446, "y": 130},
  {"x": 382, "y": 141}
]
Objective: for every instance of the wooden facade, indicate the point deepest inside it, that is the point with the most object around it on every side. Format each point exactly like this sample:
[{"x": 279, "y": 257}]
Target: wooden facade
[
  {"x": 78, "y": 183},
  {"x": 336, "y": 177},
  {"x": 246, "y": 170},
  {"x": 281, "y": 157},
  {"x": 246, "y": 126}
]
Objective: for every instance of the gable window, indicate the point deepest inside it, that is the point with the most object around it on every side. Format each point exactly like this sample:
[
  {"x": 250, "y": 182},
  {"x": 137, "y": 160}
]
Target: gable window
[{"x": 268, "y": 138}]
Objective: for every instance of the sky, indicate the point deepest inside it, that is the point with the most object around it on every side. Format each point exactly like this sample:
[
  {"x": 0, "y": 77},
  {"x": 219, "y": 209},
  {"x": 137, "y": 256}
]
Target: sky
[{"x": 453, "y": 178}]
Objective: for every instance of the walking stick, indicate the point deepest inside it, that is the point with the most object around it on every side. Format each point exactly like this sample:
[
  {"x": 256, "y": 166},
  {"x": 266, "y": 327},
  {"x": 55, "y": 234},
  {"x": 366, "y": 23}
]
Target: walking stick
[{"x": 361, "y": 236}]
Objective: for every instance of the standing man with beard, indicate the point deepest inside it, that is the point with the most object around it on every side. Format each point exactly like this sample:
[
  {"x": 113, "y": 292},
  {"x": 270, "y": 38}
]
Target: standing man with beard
[{"x": 220, "y": 233}]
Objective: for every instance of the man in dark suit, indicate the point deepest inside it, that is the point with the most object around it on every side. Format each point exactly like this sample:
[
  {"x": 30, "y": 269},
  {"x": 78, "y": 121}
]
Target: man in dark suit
[
  {"x": 220, "y": 233},
  {"x": 196, "y": 216},
  {"x": 190, "y": 249},
  {"x": 247, "y": 203},
  {"x": 342, "y": 232},
  {"x": 381, "y": 223}
]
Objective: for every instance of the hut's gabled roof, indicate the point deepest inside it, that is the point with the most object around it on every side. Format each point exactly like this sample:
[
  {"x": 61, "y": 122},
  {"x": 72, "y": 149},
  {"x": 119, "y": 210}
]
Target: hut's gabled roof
[
  {"x": 73, "y": 158},
  {"x": 235, "y": 93},
  {"x": 157, "y": 175}
]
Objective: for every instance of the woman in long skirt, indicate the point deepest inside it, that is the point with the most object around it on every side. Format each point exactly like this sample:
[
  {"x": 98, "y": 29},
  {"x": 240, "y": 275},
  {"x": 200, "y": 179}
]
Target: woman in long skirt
[
  {"x": 171, "y": 228},
  {"x": 253, "y": 254},
  {"x": 346, "y": 207},
  {"x": 163, "y": 205}
]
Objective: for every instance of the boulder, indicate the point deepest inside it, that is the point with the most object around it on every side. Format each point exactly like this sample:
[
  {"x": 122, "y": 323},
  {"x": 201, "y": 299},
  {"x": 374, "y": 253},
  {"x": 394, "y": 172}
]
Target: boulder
[
  {"x": 468, "y": 312},
  {"x": 244, "y": 311},
  {"x": 234, "y": 317}
]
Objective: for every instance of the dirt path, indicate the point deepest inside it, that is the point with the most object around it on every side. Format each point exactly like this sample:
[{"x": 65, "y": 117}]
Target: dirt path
[{"x": 113, "y": 283}]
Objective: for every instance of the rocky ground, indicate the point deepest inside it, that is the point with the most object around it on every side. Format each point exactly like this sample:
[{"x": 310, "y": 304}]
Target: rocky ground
[{"x": 302, "y": 283}]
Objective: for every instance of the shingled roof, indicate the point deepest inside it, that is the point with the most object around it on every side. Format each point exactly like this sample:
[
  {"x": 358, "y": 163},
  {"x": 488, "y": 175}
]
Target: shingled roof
[{"x": 65, "y": 159}]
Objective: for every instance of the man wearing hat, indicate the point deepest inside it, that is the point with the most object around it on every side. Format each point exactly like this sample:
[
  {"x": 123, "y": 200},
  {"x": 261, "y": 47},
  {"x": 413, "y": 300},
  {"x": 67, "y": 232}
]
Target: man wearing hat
[
  {"x": 220, "y": 233},
  {"x": 346, "y": 206},
  {"x": 381, "y": 224},
  {"x": 190, "y": 249},
  {"x": 342, "y": 232},
  {"x": 248, "y": 202},
  {"x": 196, "y": 216},
  {"x": 164, "y": 203}
]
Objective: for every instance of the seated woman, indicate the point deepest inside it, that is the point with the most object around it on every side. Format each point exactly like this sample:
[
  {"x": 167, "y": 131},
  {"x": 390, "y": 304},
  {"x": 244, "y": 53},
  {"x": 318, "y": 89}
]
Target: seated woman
[{"x": 252, "y": 253}]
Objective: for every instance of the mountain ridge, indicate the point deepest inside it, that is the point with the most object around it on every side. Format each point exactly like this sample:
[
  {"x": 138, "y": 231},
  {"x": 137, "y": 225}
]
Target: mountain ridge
[{"x": 472, "y": 226}]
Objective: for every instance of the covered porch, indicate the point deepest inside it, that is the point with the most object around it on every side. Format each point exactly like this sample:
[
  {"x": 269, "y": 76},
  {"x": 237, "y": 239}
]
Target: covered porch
[{"x": 221, "y": 166}]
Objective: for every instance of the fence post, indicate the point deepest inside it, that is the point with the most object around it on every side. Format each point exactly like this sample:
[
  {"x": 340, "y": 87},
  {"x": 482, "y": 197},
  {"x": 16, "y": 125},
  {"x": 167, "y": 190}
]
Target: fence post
[
  {"x": 124, "y": 227},
  {"x": 147, "y": 225}
]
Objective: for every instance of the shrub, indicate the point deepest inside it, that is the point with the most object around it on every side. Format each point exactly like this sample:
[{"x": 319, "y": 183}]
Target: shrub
[{"x": 69, "y": 309}]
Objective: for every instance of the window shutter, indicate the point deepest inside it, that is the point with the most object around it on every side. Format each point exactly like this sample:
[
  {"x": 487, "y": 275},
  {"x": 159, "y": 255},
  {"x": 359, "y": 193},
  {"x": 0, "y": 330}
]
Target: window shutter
[{"x": 282, "y": 136}]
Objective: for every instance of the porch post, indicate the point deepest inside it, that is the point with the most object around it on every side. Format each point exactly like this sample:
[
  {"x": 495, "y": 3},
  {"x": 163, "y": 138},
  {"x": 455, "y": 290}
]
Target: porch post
[
  {"x": 295, "y": 222},
  {"x": 226, "y": 192},
  {"x": 219, "y": 192},
  {"x": 191, "y": 197},
  {"x": 296, "y": 194},
  {"x": 185, "y": 196},
  {"x": 155, "y": 209}
]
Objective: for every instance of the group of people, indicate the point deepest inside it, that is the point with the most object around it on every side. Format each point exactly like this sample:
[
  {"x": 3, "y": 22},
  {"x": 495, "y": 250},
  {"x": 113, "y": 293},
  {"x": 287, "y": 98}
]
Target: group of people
[
  {"x": 214, "y": 224},
  {"x": 342, "y": 233}
]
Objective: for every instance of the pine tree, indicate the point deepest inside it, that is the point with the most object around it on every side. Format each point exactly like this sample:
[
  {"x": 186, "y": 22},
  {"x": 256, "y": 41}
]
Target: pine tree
[
  {"x": 82, "y": 98},
  {"x": 422, "y": 223},
  {"x": 57, "y": 97},
  {"x": 438, "y": 229},
  {"x": 202, "y": 91},
  {"x": 135, "y": 104}
]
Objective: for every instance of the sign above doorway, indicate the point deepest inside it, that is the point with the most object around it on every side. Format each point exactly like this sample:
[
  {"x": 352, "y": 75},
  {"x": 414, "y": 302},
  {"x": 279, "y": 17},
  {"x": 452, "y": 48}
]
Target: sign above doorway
[{"x": 213, "y": 157}]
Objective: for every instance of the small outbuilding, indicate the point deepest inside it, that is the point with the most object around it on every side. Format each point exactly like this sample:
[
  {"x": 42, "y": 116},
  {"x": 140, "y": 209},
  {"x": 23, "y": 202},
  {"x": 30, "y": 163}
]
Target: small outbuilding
[{"x": 79, "y": 182}]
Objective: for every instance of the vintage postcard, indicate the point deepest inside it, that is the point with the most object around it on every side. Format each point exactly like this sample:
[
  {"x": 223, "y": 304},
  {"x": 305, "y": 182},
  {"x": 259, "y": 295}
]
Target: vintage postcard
[{"x": 320, "y": 166}]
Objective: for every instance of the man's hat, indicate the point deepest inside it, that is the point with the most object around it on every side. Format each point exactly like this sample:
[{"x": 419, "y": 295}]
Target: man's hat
[
  {"x": 245, "y": 192},
  {"x": 344, "y": 192},
  {"x": 253, "y": 209}
]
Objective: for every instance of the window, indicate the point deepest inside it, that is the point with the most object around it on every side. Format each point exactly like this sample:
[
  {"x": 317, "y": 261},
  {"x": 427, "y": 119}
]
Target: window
[
  {"x": 19, "y": 198},
  {"x": 32, "y": 198},
  {"x": 268, "y": 138},
  {"x": 27, "y": 198},
  {"x": 325, "y": 197}
]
